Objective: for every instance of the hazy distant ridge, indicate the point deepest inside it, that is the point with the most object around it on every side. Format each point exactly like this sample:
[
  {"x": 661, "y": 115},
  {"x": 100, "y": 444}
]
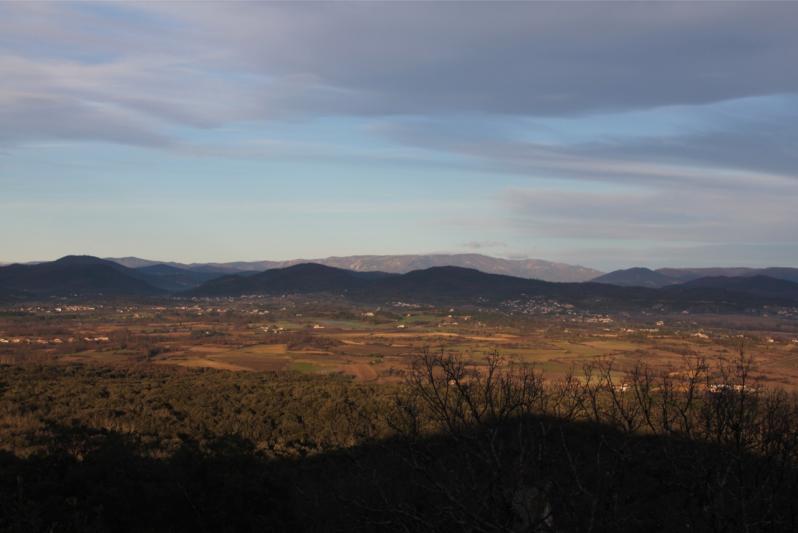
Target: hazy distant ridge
[
  {"x": 91, "y": 276},
  {"x": 400, "y": 264},
  {"x": 665, "y": 277}
]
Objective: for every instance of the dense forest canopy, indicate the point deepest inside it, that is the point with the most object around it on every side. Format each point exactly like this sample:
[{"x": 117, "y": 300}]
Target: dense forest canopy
[{"x": 453, "y": 447}]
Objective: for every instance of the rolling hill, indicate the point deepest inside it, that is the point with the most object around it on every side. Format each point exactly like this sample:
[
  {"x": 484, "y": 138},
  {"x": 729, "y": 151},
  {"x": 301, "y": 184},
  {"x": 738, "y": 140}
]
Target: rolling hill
[
  {"x": 454, "y": 284},
  {"x": 10, "y": 295},
  {"x": 75, "y": 275},
  {"x": 172, "y": 278},
  {"x": 431, "y": 285},
  {"x": 764, "y": 286},
  {"x": 449, "y": 285},
  {"x": 522, "y": 268},
  {"x": 211, "y": 268},
  {"x": 302, "y": 278},
  {"x": 664, "y": 277},
  {"x": 90, "y": 276},
  {"x": 399, "y": 264},
  {"x": 789, "y": 274},
  {"x": 636, "y": 277}
]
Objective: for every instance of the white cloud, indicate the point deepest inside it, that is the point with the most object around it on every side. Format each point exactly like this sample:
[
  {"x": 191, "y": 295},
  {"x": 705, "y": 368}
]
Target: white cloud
[
  {"x": 443, "y": 81},
  {"x": 207, "y": 64}
]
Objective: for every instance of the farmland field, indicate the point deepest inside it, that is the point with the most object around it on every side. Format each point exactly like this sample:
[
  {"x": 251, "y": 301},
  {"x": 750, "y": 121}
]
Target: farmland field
[{"x": 379, "y": 345}]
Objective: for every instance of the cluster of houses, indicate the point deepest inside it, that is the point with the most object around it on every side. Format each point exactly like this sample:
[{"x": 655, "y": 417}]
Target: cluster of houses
[
  {"x": 405, "y": 304},
  {"x": 75, "y": 309},
  {"x": 598, "y": 319},
  {"x": 767, "y": 340},
  {"x": 57, "y": 309},
  {"x": 720, "y": 388},
  {"x": 788, "y": 312},
  {"x": 56, "y": 340},
  {"x": 714, "y": 388},
  {"x": 451, "y": 320},
  {"x": 537, "y": 305},
  {"x": 199, "y": 310}
]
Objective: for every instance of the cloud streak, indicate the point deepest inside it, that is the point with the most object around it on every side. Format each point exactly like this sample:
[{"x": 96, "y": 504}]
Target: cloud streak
[
  {"x": 541, "y": 108},
  {"x": 207, "y": 66}
]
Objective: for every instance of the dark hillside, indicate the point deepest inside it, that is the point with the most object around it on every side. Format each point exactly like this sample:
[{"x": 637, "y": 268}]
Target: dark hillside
[
  {"x": 789, "y": 274},
  {"x": 75, "y": 275},
  {"x": 636, "y": 277},
  {"x": 764, "y": 286},
  {"x": 455, "y": 283},
  {"x": 173, "y": 279},
  {"x": 302, "y": 278},
  {"x": 10, "y": 295},
  {"x": 450, "y": 285}
]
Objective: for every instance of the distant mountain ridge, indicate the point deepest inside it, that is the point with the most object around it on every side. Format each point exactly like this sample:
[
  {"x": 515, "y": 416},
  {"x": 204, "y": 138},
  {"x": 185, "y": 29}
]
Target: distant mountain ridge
[
  {"x": 92, "y": 277},
  {"x": 433, "y": 284},
  {"x": 75, "y": 275},
  {"x": 172, "y": 278},
  {"x": 301, "y": 278},
  {"x": 399, "y": 264},
  {"x": 636, "y": 277},
  {"x": 449, "y": 285},
  {"x": 664, "y": 277},
  {"x": 764, "y": 286}
]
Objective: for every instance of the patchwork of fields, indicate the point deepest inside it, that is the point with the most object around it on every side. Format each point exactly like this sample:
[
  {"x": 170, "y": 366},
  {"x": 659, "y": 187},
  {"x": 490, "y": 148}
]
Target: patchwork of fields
[{"x": 379, "y": 345}]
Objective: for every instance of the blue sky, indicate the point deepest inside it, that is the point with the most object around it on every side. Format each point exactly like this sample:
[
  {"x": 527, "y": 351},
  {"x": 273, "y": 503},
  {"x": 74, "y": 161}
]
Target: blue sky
[{"x": 604, "y": 134}]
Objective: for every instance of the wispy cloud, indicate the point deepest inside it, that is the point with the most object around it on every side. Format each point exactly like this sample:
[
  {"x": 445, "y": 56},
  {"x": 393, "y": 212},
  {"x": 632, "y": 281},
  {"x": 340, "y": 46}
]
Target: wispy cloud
[
  {"x": 535, "y": 114},
  {"x": 207, "y": 65}
]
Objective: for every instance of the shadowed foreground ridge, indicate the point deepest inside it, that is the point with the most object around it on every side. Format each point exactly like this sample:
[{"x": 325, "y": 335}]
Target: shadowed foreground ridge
[
  {"x": 593, "y": 477},
  {"x": 452, "y": 450}
]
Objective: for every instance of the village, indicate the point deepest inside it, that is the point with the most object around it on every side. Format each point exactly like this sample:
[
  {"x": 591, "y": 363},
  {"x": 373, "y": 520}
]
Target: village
[{"x": 319, "y": 335}]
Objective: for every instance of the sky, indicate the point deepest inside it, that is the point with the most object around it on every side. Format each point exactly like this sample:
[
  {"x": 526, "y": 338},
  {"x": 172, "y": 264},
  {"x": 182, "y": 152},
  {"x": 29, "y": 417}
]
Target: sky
[{"x": 603, "y": 134}]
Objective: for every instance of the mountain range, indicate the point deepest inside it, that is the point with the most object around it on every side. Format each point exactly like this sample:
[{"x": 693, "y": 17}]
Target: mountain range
[
  {"x": 663, "y": 277},
  {"x": 758, "y": 285},
  {"x": 75, "y": 275},
  {"x": 174, "y": 276},
  {"x": 90, "y": 277},
  {"x": 396, "y": 264},
  {"x": 462, "y": 285},
  {"x": 171, "y": 278}
]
